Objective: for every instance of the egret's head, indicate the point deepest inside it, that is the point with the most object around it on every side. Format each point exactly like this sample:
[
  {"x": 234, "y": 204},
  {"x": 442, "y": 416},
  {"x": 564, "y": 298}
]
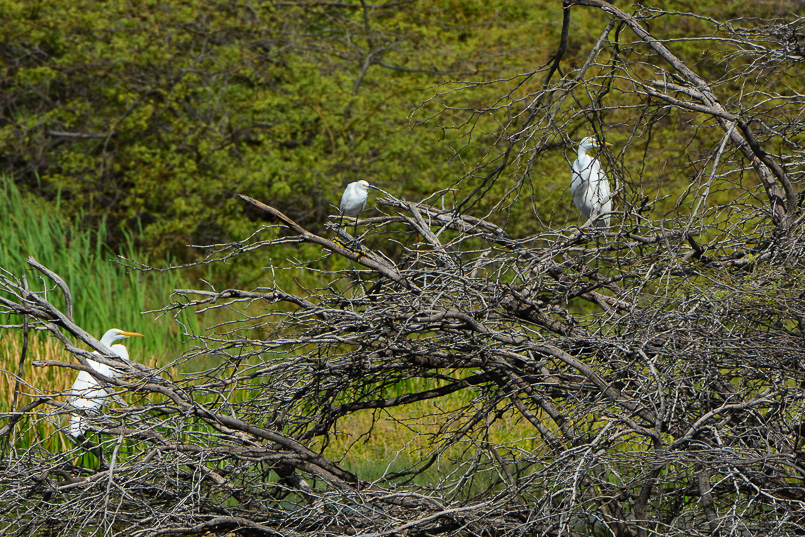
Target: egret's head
[
  {"x": 364, "y": 185},
  {"x": 116, "y": 334},
  {"x": 591, "y": 143}
]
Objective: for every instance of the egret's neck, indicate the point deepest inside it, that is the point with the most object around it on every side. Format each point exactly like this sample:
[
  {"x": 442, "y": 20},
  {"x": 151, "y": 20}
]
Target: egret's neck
[
  {"x": 582, "y": 153},
  {"x": 108, "y": 341}
]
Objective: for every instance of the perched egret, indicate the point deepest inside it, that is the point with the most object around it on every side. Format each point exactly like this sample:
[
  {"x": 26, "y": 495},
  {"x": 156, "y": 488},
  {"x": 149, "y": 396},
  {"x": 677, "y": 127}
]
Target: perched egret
[
  {"x": 86, "y": 393},
  {"x": 353, "y": 201},
  {"x": 589, "y": 185}
]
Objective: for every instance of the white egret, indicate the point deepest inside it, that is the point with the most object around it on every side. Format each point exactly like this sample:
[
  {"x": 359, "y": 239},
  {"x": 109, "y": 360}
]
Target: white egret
[
  {"x": 86, "y": 393},
  {"x": 589, "y": 185},
  {"x": 353, "y": 201}
]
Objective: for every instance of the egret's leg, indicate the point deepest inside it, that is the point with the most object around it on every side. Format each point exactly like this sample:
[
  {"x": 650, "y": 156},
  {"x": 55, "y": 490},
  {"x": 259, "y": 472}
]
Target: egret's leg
[
  {"x": 340, "y": 228},
  {"x": 344, "y": 232},
  {"x": 84, "y": 443}
]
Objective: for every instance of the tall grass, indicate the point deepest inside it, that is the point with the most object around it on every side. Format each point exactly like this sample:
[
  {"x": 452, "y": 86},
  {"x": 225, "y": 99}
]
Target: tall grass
[{"x": 104, "y": 294}]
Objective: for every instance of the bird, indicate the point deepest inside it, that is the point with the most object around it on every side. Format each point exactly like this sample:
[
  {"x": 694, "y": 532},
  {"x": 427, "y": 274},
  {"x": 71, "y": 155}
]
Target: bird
[
  {"x": 589, "y": 185},
  {"x": 86, "y": 394},
  {"x": 353, "y": 200}
]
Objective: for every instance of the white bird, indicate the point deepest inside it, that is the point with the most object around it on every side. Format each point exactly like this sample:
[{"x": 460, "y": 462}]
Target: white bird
[
  {"x": 353, "y": 201},
  {"x": 86, "y": 393},
  {"x": 589, "y": 185}
]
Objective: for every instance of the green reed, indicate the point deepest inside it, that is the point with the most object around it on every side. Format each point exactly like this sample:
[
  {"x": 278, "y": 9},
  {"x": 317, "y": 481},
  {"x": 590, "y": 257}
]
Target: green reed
[{"x": 105, "y": 294}]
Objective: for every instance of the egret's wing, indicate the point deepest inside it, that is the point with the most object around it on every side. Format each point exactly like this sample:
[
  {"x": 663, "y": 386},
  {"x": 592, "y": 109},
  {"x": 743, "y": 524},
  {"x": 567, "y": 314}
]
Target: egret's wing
[
  {"x": 353, "y": 201},
  {"x": 576, "y": 178},
  {"x": 601, "y": 194},
  {"x": 603, "y": 189},
  {"x": 85, "y": 394},
  {"x": 86, "y": 388},
  {"x": 106, "y": 370},
  {"x": 350, "y": 205},
  {"x": 86, "y": 391},
  {"x": 84, "y": 384},
  {"x": 103, "y": 369},
  {"x": 579, "y": 186},
  {"x": 597, "y": 181},
  {"x": 345, "y": 197}
]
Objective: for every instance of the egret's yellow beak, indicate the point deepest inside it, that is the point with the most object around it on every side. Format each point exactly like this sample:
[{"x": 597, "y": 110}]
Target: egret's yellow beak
[{"x": 131, "y": 334}]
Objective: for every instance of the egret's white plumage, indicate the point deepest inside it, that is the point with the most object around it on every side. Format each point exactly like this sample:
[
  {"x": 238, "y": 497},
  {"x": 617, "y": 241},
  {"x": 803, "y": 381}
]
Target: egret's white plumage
[
  {"x": 86, "y": 393},
  {"x": 589, "y": 185},
  {"x": 353, "y": 200}
]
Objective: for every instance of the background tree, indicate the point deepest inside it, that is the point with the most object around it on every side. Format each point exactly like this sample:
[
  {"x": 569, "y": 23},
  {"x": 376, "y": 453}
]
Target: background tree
[{"x": 643, "y": 379}]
